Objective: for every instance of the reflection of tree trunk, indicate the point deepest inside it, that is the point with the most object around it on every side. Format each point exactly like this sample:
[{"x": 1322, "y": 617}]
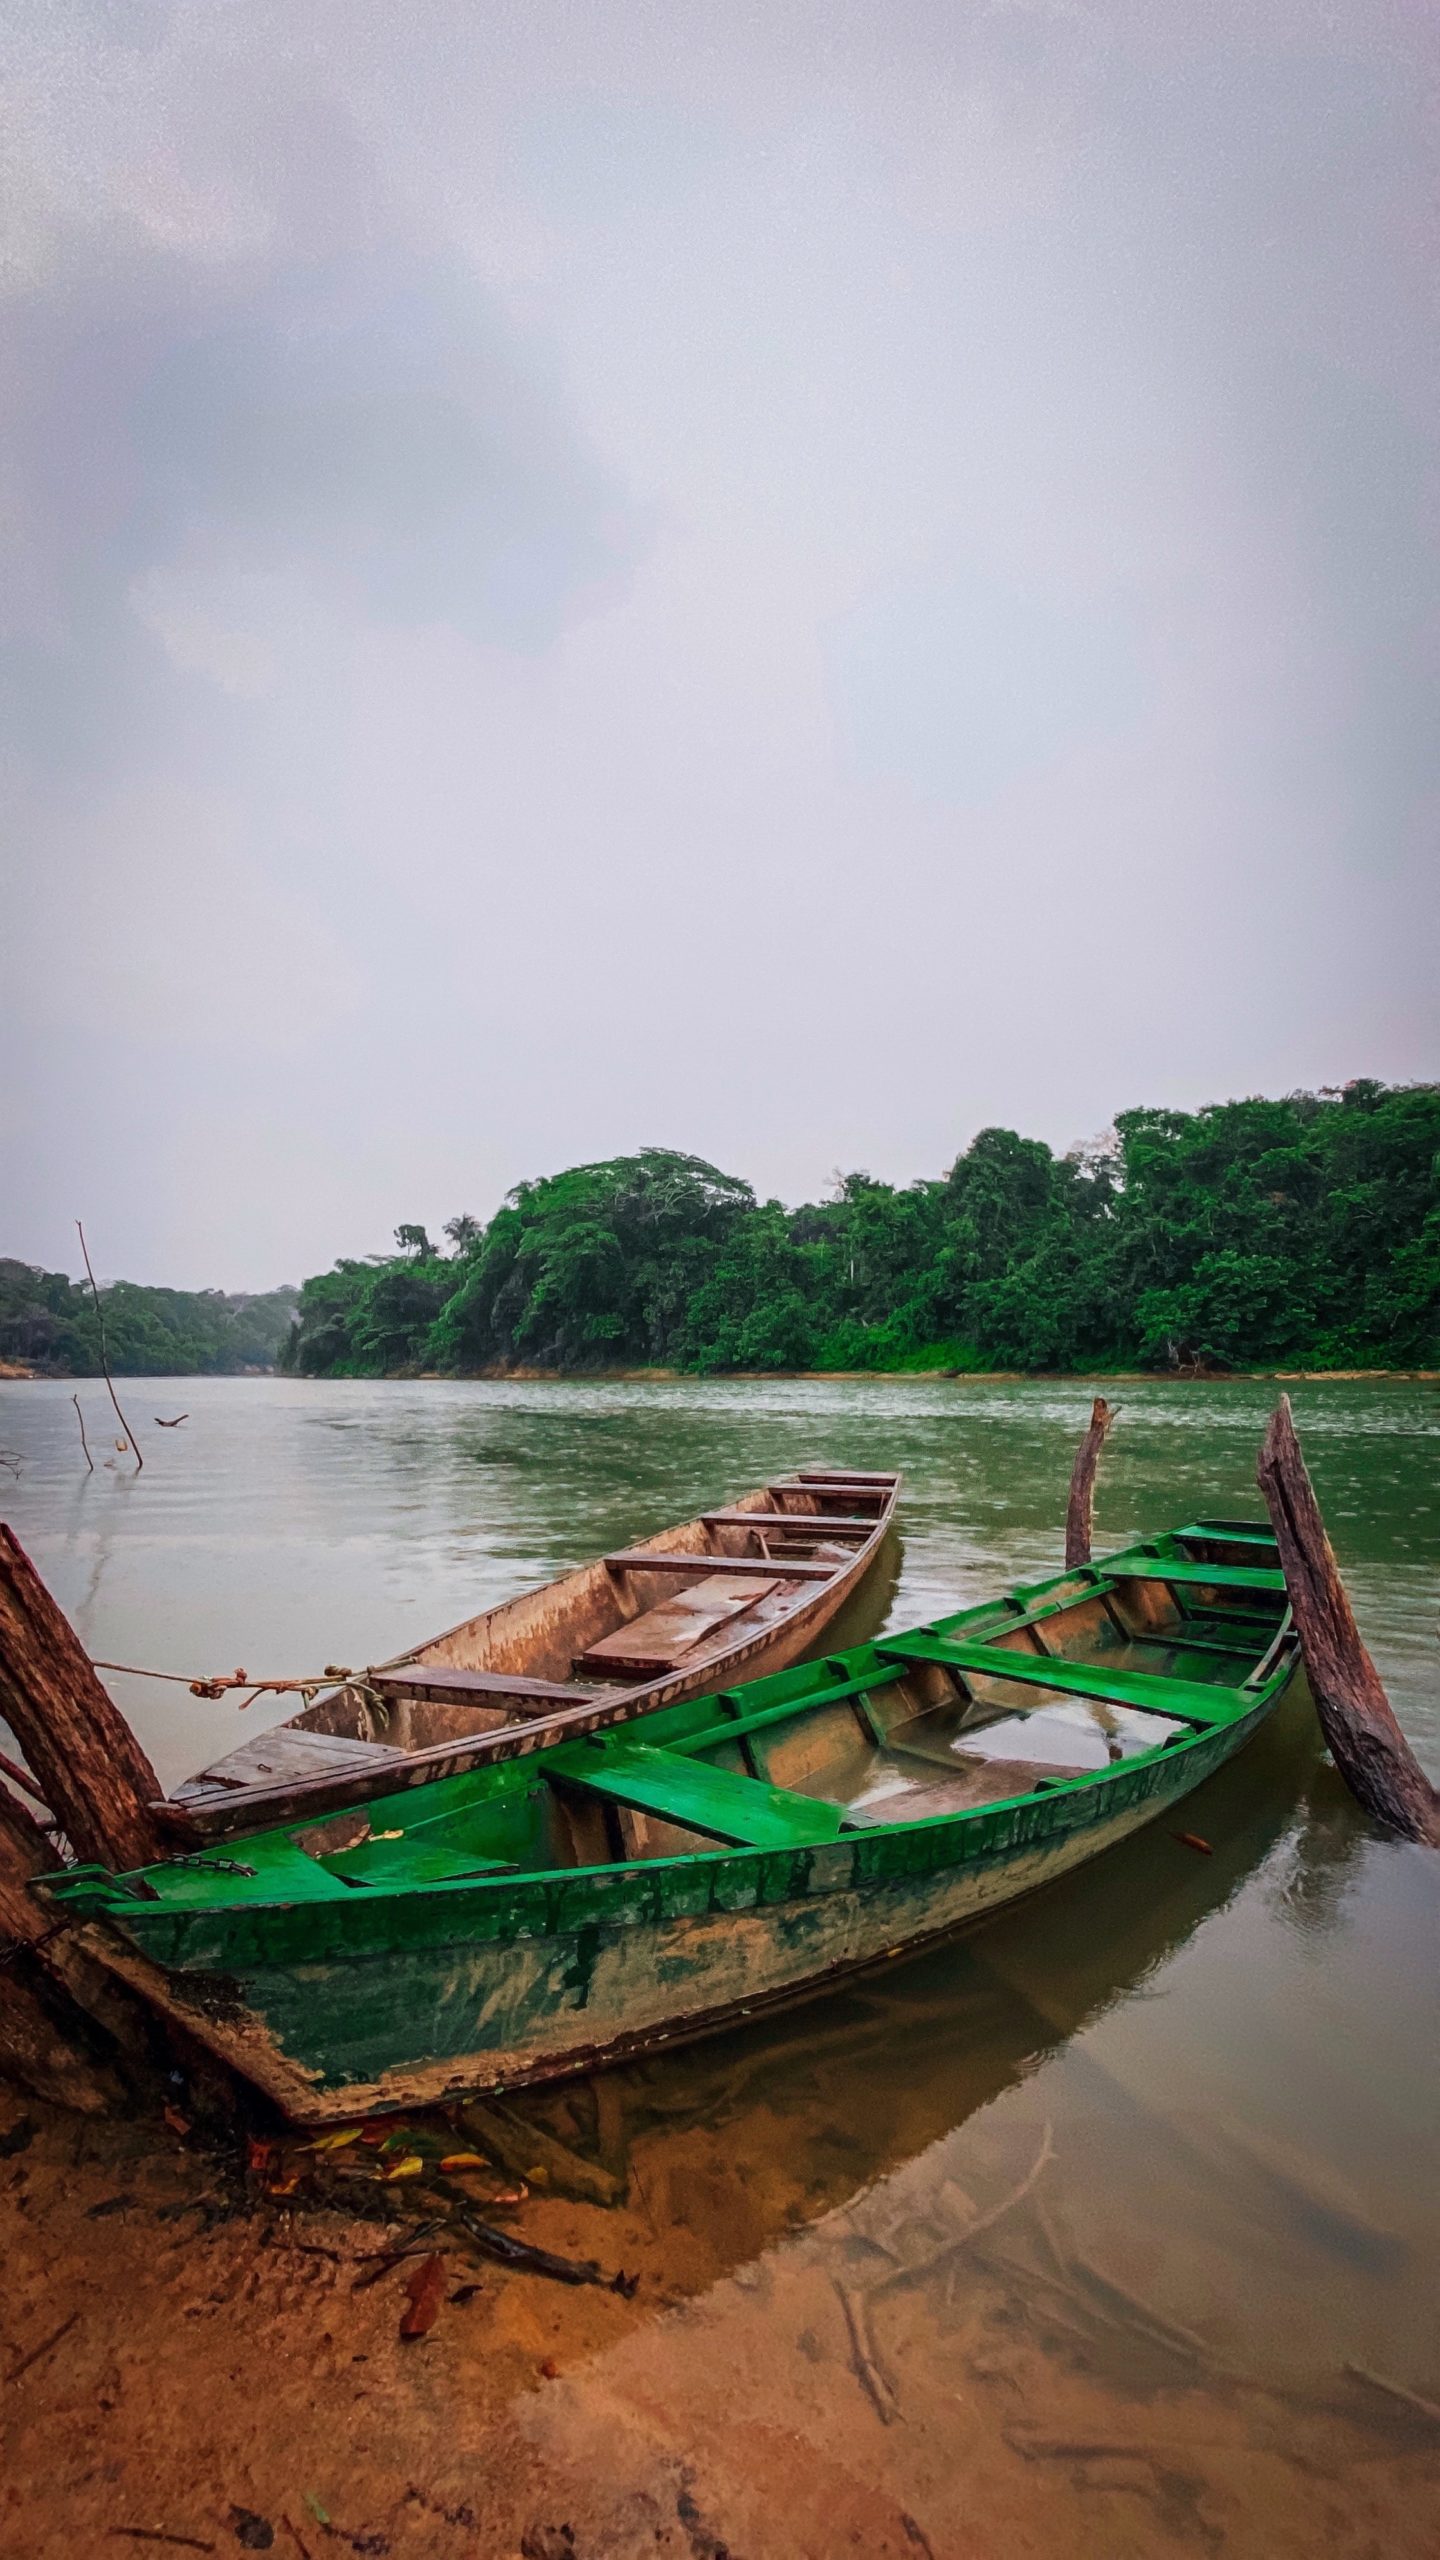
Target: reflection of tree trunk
[
  {"x": 85, "y": 1760},
  {"x": 1356, "y": 1717},
  {"x": 1080, "y": 1514}
]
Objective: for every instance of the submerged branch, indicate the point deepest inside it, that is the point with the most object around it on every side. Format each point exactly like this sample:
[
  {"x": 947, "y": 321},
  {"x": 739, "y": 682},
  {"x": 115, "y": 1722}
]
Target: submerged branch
[{"x": 105, "y": 1355}]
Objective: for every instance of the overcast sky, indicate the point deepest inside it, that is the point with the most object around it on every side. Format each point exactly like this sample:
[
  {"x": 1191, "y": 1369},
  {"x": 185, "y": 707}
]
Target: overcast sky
[{"x": 786, "y": 579}]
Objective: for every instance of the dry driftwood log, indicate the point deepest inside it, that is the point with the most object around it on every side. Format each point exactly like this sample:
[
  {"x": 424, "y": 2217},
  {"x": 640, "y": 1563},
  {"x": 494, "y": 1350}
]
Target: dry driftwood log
[
  {"x": 1356, "y": 1717},
  {"x": 1080, "y": 1511},
  {"x": 84, "y": 1758}
]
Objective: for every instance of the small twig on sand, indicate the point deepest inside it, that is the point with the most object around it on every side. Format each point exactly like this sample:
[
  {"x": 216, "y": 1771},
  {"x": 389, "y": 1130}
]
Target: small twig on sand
[
  {"x": 147, "y": 2533},
  {"x": 972, "y": 2231},
  {"x": 527, "y": 2259},
  {"x": 1397, "y": 2391},
  {"x": 868, "y": 2372},
  {"x": 1142, "y": 2315},
  {"x": 294, "y": 2530},
  {"x": 84, "y": 1443},
  {"x": 43, "y": 2349},
  {"x": 104, "y": 1353}
]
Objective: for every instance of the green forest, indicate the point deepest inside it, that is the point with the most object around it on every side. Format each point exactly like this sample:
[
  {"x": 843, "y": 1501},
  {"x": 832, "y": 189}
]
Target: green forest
[
  {"x": 1304, "y": 1232},
  {"x": 48, "y": 1323}
]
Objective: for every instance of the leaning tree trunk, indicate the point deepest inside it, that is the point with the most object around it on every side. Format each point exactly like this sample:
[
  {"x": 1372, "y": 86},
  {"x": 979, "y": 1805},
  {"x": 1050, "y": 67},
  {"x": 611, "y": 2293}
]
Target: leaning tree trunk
[
  {"x": 1080, "y": 1511},
  {"x": 1356, "y": 1717},
  {"x": 85, "y": 1760},
  {"x": 63, "y": 2022},
  {"x": 70, "y": 2028}
]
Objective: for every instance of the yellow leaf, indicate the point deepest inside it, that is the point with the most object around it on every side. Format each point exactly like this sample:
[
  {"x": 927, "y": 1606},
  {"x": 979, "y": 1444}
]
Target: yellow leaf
[{"x": 411, "y": 2166}]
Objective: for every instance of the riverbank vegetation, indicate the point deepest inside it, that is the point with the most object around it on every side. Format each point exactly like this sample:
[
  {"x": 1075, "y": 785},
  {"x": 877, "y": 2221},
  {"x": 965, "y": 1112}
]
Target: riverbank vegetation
[
  {"x": 48, "y": 1324},
  {"x": 1302, "y": 1231}
]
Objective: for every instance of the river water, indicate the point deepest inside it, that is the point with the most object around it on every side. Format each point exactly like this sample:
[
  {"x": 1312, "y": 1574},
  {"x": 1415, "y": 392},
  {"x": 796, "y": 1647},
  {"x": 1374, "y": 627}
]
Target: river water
[{"x": 1229, "y": 2063}]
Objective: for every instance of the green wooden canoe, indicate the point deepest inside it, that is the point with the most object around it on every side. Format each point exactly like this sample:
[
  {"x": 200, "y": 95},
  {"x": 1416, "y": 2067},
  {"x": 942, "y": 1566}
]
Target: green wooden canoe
[{"x": 546, "y": 1913}]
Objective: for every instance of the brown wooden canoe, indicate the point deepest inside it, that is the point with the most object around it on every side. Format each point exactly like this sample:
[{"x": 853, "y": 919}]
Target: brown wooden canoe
[{"x": 738, "y": 1592}]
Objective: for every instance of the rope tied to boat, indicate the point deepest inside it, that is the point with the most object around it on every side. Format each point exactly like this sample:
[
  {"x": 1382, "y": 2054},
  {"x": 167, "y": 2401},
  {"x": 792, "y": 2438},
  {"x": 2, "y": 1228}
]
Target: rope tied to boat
[
  {"x": 216, "y": 1684},
  {"x": 308, "y": 1686}
]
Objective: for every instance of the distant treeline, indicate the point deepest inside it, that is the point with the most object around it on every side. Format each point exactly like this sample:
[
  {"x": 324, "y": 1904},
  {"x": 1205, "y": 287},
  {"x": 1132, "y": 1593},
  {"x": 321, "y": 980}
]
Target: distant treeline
[
  {"x": 47, "y": 1322},
  {"x": 1300, "y": 1232}
]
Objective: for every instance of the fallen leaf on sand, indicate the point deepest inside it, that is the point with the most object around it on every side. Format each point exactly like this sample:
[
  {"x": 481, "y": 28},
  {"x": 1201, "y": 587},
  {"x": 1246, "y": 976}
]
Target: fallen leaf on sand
[{"x": 426, "y": 2290}]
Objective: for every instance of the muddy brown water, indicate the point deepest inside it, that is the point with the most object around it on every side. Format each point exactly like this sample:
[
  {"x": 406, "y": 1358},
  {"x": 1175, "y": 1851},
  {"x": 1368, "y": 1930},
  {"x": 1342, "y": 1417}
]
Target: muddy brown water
[{"x": 1110, "y": 2226}]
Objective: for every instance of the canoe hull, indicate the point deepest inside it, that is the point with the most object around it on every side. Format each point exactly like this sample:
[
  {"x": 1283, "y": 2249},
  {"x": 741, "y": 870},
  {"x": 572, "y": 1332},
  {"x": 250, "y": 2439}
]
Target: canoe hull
[
  {"x": 319, "y": 2006},
  {"x": 537, "y": 1633}
]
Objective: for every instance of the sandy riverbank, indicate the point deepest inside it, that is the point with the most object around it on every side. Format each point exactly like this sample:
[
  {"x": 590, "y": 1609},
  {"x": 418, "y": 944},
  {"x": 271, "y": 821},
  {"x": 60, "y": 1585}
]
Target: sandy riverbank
[{"x": 189, "y": 2372}]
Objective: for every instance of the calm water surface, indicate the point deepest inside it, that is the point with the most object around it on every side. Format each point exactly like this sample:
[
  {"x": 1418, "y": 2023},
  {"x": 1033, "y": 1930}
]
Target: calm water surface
[{"x": 1234, "y": 2059}]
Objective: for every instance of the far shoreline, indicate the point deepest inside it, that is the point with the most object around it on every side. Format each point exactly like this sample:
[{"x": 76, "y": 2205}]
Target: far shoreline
[{"x": 17, "y": 1371}]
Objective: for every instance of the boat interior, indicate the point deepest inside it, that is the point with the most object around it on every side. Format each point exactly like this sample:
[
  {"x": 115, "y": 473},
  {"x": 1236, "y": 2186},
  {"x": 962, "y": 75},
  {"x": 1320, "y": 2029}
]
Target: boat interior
[
  {"x": 1052, "y": 1684},
  {"x": 659, "y": 1611}
]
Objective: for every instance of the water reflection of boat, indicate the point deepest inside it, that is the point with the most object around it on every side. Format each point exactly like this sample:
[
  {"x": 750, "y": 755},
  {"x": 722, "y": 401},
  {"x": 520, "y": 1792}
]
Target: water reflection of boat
[
  {"x": 811, "y": 2115},
  {"x": 748, "y": 1588},
  {"x": 529, "y": 1919}
]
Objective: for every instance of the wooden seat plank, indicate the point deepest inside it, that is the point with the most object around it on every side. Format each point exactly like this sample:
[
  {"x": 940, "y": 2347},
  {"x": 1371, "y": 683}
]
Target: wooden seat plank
[
  {"x": 1202, "y": 1533},
  {"x": 440, "y": 1681},
  {"x": 1192, "y": 1702},
  {"x": 816, "y": 1523},
  {"x": 659, "y": 1640},
  {"x": 743, "y": 1811},
  {"x": 635, "y": 1560},
  {"x": 1182, "y": 1569},
  {"x": 281, "y": 1756}
]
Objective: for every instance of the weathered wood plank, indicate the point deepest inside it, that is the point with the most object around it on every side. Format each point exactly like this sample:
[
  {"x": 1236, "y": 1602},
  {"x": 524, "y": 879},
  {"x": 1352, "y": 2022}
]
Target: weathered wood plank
[
  {"x": 441, "y": 1682},
  {"x": 663, "y": 1636},
  {"x": 819, "y": 1523},
  {"x": 635, "y": 1560}
]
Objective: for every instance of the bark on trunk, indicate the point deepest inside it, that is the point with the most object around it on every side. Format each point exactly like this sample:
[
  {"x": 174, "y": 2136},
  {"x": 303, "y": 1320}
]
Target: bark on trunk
[
  {"x": 85, "y": 1760},
  {"x": 1356, "y": 1717},
  {"x": 1080, "y": 1512},
  {"x": 49, "y": 2042}
]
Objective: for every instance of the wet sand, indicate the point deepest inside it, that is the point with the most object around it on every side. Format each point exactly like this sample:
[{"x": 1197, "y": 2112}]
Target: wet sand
[{"x": 792, "y": 2378}]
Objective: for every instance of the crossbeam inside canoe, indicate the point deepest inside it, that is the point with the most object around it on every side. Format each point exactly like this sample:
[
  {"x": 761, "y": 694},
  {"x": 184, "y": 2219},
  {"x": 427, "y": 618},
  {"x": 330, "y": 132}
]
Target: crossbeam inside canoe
[
  {"x": 1183, "y": 1569},
  {"x": 1188, "y": 1701},
  {"x": 688, "y": 1792},
  {"x": 636, "y": 1560}
]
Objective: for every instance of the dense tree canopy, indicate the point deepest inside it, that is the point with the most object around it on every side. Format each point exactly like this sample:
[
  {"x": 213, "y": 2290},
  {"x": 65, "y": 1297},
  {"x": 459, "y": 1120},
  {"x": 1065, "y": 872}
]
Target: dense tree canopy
[
  {"x": 47, "y": 1322},
  {"x": 1301, "y": 1231}
]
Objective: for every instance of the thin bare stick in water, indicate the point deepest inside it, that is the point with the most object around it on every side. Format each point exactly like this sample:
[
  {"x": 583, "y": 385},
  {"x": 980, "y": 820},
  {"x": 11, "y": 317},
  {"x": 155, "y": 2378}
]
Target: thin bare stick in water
[
  {"x": 104, "y": 1353},
  {"x": 84, "y": 1443},
  {"x": 1080, "y": 1512},
  {"x": 1356, "y": 1718}
]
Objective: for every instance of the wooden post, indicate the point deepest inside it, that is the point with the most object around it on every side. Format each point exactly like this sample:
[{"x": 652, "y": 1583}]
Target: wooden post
[
  {"x": 1356, "y": 1717},
  {"x": 85, "y": 1760},
  {"x": 1080, "y": 1512}
]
